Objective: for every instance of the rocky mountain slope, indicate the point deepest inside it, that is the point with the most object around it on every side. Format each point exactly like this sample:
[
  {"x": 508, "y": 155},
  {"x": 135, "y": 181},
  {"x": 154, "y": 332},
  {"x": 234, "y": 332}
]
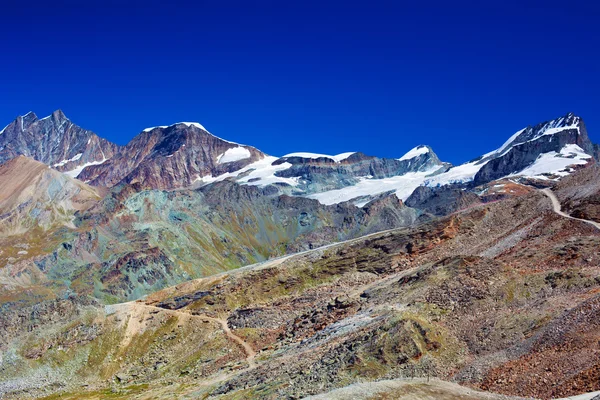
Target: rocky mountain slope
[
  {"x": 135, "y": 242},
  {"x": 580, "y": 194},
  {"x": 34, "y": 196},
  {"x": 501, "y": 297},
  {"x": 186, "y": 155},
  {"x": 171, "y": 157},
  {"x": 543, "y": 151},
  {"x": 234, "y": 206},
  {"x": 484, "y": 284},
  {"x": 55, "y": 141}
]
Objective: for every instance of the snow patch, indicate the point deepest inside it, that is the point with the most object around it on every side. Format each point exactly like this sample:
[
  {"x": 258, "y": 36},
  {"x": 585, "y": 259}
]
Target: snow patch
[
  {"x": 460, "y": 174},
  {"x": 403, "y": 185},
  {"x": 63, "y": 162},
  {"x": 555, "y": 163},
  {"x": 314, "y": 156},
  {"x": 233, "y": 154},
  {"x": 155, "y": 127},
  {"x": 74, "y": 173},
  {"x": 416, "y": 152},
  {"x": 259, "y": 173}
]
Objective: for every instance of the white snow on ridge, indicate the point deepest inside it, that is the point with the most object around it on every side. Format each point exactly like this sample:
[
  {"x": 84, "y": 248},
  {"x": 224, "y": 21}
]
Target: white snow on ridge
[
  {"x": 459, "y": 174},
  {"x": 552, "y": 131},
  {"x": 261, "y": 173},
  {"x": 416, "y": 152},
  {"x": 155, "y": 127},
  {"x": 404, "y": 185},
  {"x": 190, "y": 124},
  {"x": 506, "y": 144},
  {"x": 233, "y": 154},
  {"x": 63, "y": 162},
  {"x": 74, "y": 173},
  {"x": 555, "y": 163},
  {"x": 314, "y": 156},
  {"x": 3, "y": 129},
  {"x": 194, "y": 124}
]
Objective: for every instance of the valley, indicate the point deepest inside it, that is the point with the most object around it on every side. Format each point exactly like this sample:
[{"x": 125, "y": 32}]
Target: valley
[{"x": 183, "y": 265}]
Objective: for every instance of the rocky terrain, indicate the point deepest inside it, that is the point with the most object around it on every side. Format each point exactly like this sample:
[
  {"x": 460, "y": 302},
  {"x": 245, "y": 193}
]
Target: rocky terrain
[
  {"x": 34, "y": 197},
  {"x": 55, "y": 141},
  {"x": 500, "y": 297},
  {"x": 580, "y": 194},
  {"x": 188, "y": 266},
  {"x": 171, "y": 157}
]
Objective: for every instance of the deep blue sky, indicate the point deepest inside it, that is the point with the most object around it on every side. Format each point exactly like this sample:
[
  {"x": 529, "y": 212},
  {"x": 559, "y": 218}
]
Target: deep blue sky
[{"x": 327, "y": 77}]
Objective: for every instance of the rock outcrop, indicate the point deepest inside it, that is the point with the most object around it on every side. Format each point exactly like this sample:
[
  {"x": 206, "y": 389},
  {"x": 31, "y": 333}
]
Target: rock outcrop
[
  {"x": 443, "y": 200},
  {"x": 55, "y": 141},
  {"x": 171, "y": 157}
]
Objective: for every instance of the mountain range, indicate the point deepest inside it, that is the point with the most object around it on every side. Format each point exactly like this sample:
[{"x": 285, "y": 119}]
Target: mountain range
[{"x": 322, "y": 270}]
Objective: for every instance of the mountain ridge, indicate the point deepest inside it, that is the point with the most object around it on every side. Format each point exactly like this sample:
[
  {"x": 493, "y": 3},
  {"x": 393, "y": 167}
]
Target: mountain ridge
[
  {"x": 291, "y": 276},
  {"x": 186, "y": 155},
  {"x": 55, "y": 141}
]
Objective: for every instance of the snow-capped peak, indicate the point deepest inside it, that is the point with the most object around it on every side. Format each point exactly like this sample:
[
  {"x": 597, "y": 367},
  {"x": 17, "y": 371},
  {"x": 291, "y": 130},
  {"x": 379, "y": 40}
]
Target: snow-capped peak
[
  {"x": 416, "y": 152},
  {"x": 190, "y": 124},
  {"x": 194, "y": 124}
]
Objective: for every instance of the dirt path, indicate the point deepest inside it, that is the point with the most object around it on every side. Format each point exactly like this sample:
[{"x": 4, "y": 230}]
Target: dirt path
[
  {"x": 134, "y": 325},
  {"x": 250, "y": 353},
  {"x": 558, "y": 209}
]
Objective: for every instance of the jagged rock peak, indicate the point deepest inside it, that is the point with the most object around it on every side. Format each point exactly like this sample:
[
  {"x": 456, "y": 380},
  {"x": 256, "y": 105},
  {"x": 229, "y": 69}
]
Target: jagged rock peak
[{"x": 55, "y": 141}]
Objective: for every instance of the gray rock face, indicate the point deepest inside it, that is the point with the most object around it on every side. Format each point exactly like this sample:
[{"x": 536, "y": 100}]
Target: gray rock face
[
  {"x": 169, "y": 158},
  {"x": 533, "y": 141},
  {"x": 442, "y": 200},
  {"x": 53, "y": 140}
]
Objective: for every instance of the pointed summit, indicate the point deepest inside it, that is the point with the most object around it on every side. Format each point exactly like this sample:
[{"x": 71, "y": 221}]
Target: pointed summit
[
  {"x": 53, "y": 140},
  {"x": 58, "y": 115},
  {"x": 415, "y": 152}
]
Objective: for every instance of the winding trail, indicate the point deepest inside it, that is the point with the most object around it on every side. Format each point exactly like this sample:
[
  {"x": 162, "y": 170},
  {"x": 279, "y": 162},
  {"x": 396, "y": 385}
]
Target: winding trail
[
  {"x": 558, "y": 209},
  {"x": 250, "y": 353}
]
